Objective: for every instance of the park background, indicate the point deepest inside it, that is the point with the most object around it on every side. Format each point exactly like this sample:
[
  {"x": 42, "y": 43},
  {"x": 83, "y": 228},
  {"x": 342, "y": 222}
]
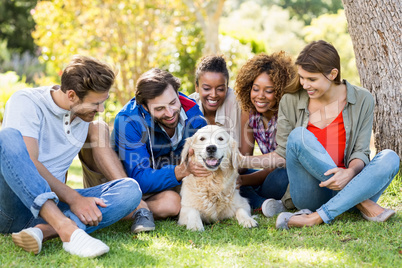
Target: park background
[{"x": 38, "y": 38}]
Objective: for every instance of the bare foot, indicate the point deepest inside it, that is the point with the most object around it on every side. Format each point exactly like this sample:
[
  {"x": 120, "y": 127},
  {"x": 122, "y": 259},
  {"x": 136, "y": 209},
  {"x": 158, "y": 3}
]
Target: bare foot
[
  {"x": 305, "y": 220},
  {"x": 48, "y": 231},
  {"x": 370, "y": 208},
  {"x": 66, "y": 229}
]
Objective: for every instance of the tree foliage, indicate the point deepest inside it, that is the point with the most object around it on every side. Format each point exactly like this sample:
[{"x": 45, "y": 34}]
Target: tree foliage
[
  {"x": 133, "y": 35},
  {"x": 307, "y": 10},
  {"x": 333, "y": 28},
  {"x": 267, "y": 29},
  {"x": 16, "y": 24}
]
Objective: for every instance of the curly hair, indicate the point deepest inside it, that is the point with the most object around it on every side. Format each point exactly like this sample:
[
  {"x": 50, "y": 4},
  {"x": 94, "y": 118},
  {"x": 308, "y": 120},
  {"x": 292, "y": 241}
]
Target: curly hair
[
  {"x": 278, "y": 66},
  {"x": 214, "y": 64}
]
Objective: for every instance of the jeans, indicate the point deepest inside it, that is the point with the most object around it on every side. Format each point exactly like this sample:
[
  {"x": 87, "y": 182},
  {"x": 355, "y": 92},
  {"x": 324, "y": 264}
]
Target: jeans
[
  {"x": 23, "y": 191},
  {"x": 274, "y": 186},
  {"x": 307, "y": 161}
]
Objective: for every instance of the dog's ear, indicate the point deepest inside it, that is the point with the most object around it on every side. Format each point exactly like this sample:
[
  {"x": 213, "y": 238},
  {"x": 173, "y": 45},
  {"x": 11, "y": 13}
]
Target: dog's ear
[
  {"x": 186, "y": 148},
  {"x": 235, "y": 154}
]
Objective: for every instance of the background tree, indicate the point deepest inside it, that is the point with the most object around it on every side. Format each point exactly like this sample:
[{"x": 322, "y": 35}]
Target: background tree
[
  {"x": 266, "y": 28},
  {"x": 16, "y": 24},
  {"x": 304, "y": 10},
  {"x": 333, "y": 28},
  {"x": 307, "y": 10},
  {"x": 133, "y": 35},
  {"x": 375, "y": 28},
  {"x": 208, "y": 13}
]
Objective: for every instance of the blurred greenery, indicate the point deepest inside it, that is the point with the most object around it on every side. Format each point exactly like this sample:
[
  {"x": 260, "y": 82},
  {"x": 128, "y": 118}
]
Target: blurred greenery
[
  {"x": 10, "y": 83},
  {"x": 16, "y": 24},
  {"x": 334, "y": 29},
  {"x": 136, "y": 35}
]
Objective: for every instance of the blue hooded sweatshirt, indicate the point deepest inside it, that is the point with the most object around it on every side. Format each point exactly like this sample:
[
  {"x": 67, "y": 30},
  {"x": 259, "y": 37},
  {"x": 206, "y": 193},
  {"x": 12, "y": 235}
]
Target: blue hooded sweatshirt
[{"x": 138, "y": 139}]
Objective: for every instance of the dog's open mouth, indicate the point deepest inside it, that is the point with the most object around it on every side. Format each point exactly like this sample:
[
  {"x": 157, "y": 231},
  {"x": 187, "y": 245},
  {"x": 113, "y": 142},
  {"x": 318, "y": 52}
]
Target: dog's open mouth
[{"x": 212, "y": 162}]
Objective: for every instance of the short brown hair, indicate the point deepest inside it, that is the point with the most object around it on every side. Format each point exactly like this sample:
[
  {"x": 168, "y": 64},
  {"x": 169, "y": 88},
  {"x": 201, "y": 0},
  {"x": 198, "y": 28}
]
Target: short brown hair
[
  {"x": 278, "y": 66},
  {"x": 153, "y": 83},
  {"x": 83, "y": 74}
]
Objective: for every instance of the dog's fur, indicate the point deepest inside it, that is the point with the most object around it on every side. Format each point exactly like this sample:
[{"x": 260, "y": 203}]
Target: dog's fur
[{"x": 213, "y": 198}]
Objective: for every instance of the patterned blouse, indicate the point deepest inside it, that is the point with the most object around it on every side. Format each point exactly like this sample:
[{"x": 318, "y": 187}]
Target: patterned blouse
[{"x": 265, "y": 137}]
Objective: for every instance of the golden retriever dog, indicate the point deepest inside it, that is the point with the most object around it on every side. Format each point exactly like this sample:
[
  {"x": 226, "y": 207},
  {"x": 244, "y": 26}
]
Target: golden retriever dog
[{"x": 213, "y": 198}]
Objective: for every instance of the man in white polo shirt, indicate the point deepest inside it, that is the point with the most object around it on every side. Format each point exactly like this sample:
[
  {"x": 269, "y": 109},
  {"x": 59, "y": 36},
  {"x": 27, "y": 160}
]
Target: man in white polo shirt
[{"x": 43, "y": 130}]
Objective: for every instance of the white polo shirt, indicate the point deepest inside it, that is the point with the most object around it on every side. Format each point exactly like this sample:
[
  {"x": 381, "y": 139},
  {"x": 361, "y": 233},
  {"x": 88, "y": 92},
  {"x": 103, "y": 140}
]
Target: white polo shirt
[{"x": 34, "y": 113}]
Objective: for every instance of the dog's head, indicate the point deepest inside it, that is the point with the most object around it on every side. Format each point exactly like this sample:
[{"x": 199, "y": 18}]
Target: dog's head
[{"x": 213, "y": 147}]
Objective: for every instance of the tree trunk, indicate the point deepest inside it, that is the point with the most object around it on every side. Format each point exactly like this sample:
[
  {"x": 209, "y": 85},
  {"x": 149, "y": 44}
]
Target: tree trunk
[
  {"x": 375, "y": 28},
  {"x": 208, "y": 14}
]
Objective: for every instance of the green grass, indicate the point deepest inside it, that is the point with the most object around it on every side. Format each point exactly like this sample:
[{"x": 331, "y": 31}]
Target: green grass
[{"x": 349, "y": 242}]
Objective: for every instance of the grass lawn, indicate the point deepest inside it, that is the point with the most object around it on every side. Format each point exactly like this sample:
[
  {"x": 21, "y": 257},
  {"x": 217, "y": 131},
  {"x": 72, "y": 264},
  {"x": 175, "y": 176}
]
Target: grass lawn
[{"x": 349, "y": 242}]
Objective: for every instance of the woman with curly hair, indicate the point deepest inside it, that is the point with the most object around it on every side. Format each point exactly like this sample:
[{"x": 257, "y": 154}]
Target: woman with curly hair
[
  {"x": 260, "y": 84},
  {"x": 216, "y": 99},
  {"x": 324, "y": 130}
]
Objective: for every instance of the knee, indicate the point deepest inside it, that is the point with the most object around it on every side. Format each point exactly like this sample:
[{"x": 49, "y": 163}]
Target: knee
[
  {"x": 391, "y": 161},
  {"x": 170, "y": 207},
  {"x": 130, "y": 188},
  {"x": 295, "y": 136},
  {"x": 10, "y": 139}
]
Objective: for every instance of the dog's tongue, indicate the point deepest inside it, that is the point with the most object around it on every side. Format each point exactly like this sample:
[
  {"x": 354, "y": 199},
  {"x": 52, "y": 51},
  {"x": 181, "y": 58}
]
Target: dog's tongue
[{"x": 212, "y": 161}]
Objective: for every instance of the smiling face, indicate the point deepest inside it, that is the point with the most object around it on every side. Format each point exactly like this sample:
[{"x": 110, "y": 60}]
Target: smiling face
[
  {"x": 165, "y": 109},
  {"x": 262, "y": 94},
  {"x": 89, "y": 106},
  {"x": 317, "y": 85},
  {"x": 212, "y": 88}
]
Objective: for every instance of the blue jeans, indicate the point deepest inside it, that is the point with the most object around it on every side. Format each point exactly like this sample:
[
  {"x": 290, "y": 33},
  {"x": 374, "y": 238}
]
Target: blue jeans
[
  {"x": 274, "y": 186},
  {"x": 307, "y": 161},
  {"x": 23, "y": 191}
]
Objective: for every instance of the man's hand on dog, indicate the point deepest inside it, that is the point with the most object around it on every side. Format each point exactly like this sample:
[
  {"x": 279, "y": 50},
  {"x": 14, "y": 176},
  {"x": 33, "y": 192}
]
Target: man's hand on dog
[{"x": 185, "y": 169}]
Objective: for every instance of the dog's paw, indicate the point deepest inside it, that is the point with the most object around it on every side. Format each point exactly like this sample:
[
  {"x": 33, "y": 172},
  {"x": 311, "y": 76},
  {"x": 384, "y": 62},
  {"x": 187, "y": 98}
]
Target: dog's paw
[
  {"x": 245, "y": 219},
  {"x": 195, "y": 226},
  {"x": 248, "y": 223}
]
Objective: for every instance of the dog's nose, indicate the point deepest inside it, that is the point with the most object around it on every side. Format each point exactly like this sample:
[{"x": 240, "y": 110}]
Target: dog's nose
[{"x": 211, "y": 149}]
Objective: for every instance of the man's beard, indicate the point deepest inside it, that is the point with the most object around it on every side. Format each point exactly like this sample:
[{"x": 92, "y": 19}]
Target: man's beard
[
  {"x": 88, "y": 116},
  {"x": 172, "y": 125}
]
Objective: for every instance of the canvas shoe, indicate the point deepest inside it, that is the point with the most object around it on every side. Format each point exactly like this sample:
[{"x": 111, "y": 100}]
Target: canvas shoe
[
  {"x": 29, "y": 239},
  {"x": 271, "y": 207},
  {"x": 143, "y": 221}
]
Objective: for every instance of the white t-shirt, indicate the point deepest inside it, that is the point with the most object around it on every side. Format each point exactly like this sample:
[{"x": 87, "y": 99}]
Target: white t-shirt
[
  {"x": 227, "y": 115},
  {"x": 34, "y": 113}
]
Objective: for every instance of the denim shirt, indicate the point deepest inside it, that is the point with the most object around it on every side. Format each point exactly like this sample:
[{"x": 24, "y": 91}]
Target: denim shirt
[{"x": 357, "y": 117}]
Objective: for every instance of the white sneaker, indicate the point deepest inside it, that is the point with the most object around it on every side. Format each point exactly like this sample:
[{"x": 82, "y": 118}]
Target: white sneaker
[
  {"x": 83, "y": 245},
  {"x": 29, "y": 239},
  {"x": 271, "y": 207}
]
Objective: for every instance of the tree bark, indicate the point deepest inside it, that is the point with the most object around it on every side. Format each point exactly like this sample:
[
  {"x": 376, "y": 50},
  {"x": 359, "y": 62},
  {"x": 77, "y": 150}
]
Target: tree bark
[{"x": 375, "y": 28}]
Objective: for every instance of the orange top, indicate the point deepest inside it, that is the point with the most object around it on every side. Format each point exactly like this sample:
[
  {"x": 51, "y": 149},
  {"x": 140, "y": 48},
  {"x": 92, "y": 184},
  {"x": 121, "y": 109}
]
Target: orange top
[{"x": 333, "y": 138}]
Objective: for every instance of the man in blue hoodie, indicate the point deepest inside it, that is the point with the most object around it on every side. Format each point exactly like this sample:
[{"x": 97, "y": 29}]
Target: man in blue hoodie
[{"x": 150, "y": 133}]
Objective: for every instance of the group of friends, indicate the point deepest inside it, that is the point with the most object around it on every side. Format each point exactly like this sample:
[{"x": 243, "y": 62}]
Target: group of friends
[{"x": 313, "y": 130}]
